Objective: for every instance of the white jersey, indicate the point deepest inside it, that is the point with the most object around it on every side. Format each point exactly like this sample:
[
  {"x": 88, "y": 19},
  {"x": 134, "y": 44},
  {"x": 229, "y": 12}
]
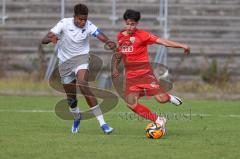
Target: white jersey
[{"x": 73, "y": 40}]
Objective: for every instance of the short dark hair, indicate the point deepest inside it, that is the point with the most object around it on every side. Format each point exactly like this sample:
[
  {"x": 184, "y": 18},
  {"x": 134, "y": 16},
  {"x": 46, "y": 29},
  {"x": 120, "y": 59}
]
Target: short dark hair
[
  {"x": 80, "y": 9},
  {"x": 132, "y": 14}
]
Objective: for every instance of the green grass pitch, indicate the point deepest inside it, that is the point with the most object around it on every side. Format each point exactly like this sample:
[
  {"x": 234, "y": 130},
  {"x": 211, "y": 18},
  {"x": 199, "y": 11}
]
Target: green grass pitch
[{"x": 199, "y": 129}]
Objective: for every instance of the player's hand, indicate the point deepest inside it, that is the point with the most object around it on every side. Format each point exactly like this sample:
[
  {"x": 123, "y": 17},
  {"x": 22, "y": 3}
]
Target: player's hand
[
  {"x": 53, "y": 38},
  {"x": 111, "y": 45},
  {"x": 186, "y": 50},
  {"x": 115, "y": 73}
]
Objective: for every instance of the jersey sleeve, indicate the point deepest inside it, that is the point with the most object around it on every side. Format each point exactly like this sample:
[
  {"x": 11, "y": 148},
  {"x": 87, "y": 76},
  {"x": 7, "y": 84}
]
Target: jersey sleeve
[
  {"x": 58, "y": 28},
  {"x": 149, "y": 38},
  {"x": 93, "y": 29}
]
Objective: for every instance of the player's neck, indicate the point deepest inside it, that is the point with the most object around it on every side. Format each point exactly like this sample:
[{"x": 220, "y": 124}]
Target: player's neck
[{"x": 126, "y": 33}]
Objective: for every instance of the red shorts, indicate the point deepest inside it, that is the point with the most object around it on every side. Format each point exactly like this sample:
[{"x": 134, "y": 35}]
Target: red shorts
[{"x": 145, "y": 85}]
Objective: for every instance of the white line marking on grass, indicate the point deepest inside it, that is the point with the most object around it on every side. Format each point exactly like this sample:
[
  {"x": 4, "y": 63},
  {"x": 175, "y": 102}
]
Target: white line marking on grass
[
  {"x": 27, "y": 111},
  {"x": 231, "y": 116},
  {"x": 220, "y": 115},
  {"x": 52, "y": 111}
]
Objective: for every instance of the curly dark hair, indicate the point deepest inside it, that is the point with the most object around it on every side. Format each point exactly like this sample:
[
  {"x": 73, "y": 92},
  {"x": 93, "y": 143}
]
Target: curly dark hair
[
  {"x": 80, "y": 9},
  {"x": 132, "y": 14}
]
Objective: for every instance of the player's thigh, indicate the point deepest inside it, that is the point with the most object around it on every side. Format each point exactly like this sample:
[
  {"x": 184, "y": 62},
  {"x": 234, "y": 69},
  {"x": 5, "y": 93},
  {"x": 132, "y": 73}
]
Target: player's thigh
[
  {"x": 82, "y": 76},
  {"x": 81, "y": 72},
  {"x": 132, "y": 99}
]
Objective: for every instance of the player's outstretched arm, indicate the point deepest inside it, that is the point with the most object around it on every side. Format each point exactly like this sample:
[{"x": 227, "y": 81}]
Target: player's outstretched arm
[
  {"x": 173, "y": 44},
  {"x": 50, "y": 37}
]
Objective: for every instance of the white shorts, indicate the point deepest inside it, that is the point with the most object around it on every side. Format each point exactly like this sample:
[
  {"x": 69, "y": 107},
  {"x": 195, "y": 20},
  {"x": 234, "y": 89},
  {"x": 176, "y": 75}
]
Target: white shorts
[
  {"x": 69, "y": 69},
  {"x": 66, "y": 79}
]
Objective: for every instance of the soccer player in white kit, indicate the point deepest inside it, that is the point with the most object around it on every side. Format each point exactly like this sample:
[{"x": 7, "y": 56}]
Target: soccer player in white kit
[{"x": 72, "y": 38}]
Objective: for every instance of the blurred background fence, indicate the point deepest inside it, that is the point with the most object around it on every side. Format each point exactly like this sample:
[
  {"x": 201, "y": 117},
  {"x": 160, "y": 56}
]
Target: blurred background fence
[{"x": 210, "y": 27}]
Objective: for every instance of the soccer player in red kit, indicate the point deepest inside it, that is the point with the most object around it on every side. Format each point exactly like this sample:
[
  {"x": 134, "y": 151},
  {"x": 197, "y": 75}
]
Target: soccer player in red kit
[{"x": 139, "y": 77}]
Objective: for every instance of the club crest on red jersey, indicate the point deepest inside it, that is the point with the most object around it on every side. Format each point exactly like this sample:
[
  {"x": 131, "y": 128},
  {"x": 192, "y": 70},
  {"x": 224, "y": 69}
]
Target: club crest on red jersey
[
  {"x": 126, "y": 46},
  {"x": 132, "y": 39}
]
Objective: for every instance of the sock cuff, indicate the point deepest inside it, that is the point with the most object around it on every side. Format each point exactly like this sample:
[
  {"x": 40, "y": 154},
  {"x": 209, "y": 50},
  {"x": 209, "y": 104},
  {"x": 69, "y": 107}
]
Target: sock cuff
[
  {"x": 74, "y": 110},
  {"x": 96, "y": 110},
  {"x": 139, "y": 106},
  {"x": 96, "y": 106}
]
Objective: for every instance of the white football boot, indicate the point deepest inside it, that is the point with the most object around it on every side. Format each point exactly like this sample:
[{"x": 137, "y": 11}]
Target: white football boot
[{"x": 175, "y": 100}]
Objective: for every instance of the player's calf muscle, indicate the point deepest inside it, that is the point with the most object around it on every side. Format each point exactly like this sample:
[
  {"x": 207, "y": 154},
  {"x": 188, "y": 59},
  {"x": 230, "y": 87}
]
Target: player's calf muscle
[{"x": 131, "y": 101}]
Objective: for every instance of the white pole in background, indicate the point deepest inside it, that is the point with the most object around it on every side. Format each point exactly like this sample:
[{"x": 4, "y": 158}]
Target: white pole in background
[
  {"x": 3, "y": 11},
  {"x": 163, "y": 17},
  {"x": 161, "y": 55},
  {"x": 62, "y": 9},
  {"x": 113, "y": 17},
  {"x": 161, "y": 13},
  {"x": 166, "y": 34}
]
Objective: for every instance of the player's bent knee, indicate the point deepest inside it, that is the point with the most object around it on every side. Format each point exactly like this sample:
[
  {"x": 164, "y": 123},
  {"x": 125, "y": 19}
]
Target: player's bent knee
[
  {"x": 83, "y": 85},
  {"x": 72, "y": 102},
  {"x": 161, "y": 98},
  {"x": 82, "y": 82}
]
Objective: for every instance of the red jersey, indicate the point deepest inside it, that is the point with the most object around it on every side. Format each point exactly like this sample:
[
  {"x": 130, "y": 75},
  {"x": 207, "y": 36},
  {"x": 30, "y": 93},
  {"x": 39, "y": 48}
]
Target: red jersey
[{"x": 133, "y": 49}]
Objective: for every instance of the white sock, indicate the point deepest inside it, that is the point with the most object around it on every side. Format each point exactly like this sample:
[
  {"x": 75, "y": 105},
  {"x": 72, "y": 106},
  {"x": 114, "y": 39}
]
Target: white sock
[
  {"x": 98, "y": 113},
  {"x": 75, "y": 112},
  {"x": 161, "y": 120}
]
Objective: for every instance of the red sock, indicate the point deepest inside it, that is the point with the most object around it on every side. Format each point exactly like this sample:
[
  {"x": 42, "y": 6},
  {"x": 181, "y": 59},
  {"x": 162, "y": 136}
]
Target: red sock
[{"x": 145, "y": 112}]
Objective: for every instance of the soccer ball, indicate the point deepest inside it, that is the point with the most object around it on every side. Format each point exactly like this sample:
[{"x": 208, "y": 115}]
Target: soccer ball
[{"x": 154, "y": 131}]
